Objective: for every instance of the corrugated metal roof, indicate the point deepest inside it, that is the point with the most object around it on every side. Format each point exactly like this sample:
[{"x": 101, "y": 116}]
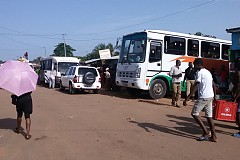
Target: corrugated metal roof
[{"x": 233, "y": 30}]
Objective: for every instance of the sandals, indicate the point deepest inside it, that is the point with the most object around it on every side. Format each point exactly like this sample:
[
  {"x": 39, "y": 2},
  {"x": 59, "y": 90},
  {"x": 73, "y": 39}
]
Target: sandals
[
  {"x": 27, "y": 137},
  {"x": 207, "y": 138},
  {"x": 237, "y": 135},
  {"x": 203, "y": 138},
  {"x": 16, "y": 130},
  {"x": 213, "y": 140}
]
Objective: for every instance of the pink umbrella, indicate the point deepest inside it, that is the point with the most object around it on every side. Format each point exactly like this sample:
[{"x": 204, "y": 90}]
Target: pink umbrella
[{"x": 17, "y": 77}]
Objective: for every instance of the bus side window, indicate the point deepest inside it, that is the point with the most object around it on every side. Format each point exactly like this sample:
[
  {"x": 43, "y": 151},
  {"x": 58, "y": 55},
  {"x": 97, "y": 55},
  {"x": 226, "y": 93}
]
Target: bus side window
[
  {"x": 155, "y": 52},
  {"x": 174, "y": 45},
  {"x": 55, "y": 66},
  {"x": 193, "y": 48},
  {"x": 210, "y": 50},
  {"x": 225, "y": 49}
]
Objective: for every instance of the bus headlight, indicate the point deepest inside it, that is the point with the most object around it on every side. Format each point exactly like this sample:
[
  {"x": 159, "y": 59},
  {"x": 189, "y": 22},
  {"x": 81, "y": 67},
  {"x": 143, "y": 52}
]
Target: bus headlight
[{"x": 137, "y": 73}]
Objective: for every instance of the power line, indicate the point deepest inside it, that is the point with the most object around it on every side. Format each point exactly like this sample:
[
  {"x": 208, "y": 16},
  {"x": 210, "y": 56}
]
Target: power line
[
  {"x": 12, "y": 50},
  {"x": 27, "y": 34},
  {"x": 95, "y": 39},
  {"x": 22, "y": 42},
  {"x": 165, "y": 16}
]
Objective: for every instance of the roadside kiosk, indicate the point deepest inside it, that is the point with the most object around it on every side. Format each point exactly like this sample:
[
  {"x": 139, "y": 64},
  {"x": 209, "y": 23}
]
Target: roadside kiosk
[{"x": 224, "y": 109}]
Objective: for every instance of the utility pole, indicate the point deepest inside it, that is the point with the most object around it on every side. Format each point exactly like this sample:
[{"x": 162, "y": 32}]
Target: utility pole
[
  {"x": 45, "y": 51},
  {"x": 64, "y": 45}
]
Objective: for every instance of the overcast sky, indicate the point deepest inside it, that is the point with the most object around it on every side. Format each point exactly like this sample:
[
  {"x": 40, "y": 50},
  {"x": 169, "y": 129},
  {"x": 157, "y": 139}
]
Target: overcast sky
[{"x": 33, "y": 25}]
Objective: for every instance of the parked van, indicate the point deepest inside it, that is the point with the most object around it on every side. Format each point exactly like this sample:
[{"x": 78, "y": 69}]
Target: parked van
[{"x": 57, "y": 66}]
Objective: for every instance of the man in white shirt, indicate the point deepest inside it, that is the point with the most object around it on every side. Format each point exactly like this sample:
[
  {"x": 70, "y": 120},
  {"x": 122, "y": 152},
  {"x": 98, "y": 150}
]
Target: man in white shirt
[
  {"x": 206, "y": 94},
  {"x": 176, "y": 74},
  {"x": 52, "y": 79},
  {"x": 108, "y": 76}
]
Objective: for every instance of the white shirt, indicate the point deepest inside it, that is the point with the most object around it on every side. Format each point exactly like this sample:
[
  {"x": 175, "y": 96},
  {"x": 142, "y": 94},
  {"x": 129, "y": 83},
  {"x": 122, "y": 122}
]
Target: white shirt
[
  {"x": 175, "y": 71},
  {"x": 52, "y": 74},
  {"x": 107, "y": 74},
  {"x": 205, "y": 80}
]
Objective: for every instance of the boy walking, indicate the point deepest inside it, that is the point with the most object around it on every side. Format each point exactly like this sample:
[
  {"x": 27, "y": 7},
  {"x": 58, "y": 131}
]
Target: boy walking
[{"x": 206, "y": 94}]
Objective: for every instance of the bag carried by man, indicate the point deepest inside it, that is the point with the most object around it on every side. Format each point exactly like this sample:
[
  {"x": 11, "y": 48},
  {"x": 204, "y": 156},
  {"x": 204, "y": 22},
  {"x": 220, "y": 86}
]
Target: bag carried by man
[{"x": 14, "y": 99}]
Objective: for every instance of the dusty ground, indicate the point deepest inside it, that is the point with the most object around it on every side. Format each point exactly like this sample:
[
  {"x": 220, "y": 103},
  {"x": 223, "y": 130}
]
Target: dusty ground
[{"x": 109, "y": 126}]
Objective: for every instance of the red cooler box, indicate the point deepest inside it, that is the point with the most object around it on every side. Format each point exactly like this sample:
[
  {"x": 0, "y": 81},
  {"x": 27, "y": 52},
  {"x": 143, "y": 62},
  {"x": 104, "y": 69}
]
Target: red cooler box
[{"x": 225, "y": 110}]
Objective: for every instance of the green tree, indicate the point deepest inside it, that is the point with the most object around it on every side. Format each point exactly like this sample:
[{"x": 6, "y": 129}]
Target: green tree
[
  {"x": 95, "y": 52},
  {"x": 82, "y": 58},
  {"x": 204, "y": 35},
  {"x": 198, "y": 34},
  {"x": 37, "y": 60},
  {"x": 59, "y": 50},
  {"x": 116, "y": 50}
]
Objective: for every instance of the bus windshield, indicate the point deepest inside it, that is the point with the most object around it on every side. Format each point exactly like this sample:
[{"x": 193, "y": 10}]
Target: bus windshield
[
  {"x": 133, "y": 48},
  {"x": 63, "y": 66}
]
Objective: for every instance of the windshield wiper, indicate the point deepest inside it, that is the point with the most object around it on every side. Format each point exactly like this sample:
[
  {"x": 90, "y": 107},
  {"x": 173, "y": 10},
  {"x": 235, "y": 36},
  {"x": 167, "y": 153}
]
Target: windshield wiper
[{"x": 125, "y": 61}]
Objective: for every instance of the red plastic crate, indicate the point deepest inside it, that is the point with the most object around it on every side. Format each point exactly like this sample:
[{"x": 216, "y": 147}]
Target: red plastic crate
[{"x": 225, "y": 110}]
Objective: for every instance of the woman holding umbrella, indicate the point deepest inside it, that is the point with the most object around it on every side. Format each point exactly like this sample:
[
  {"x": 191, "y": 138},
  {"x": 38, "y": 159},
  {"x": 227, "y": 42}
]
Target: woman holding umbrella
[
  {"x": 20, "y": 79},
  {"x": 23, "y": 105}
]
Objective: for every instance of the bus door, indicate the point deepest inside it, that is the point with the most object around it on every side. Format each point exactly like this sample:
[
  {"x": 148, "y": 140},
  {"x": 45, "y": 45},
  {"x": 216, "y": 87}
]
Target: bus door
[
  {"x": 155, "y": 58},
  {"x": 46, "y": 67}
]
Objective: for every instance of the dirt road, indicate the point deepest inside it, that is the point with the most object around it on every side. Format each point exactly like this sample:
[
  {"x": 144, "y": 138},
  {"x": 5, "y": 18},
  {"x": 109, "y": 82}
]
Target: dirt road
[{"x": 109, "y": 126}]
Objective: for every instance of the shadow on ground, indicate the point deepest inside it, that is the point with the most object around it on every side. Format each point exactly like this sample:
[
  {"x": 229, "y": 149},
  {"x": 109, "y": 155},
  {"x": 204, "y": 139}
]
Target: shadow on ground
[
  {"x": 10, "y": 124},
  {"x": 185, "y": 122},
  {"x": 185, "y": 127},
  {"x": 154, "y": 102},
  {"x": 166, "y": 129},
  {"x": 7, "y": 123}
]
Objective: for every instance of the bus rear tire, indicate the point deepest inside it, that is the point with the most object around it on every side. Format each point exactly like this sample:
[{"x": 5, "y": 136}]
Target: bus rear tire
[{"x": 158, "y": 89}]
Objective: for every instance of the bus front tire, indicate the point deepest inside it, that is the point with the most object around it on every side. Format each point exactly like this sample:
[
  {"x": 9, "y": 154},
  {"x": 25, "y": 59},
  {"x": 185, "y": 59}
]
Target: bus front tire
[{"x": 158, "y": 89}]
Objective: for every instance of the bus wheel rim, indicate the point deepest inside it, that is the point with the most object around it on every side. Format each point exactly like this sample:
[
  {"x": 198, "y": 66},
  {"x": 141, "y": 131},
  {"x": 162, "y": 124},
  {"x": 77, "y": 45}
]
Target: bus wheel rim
[{"x": 158, "y": 89}]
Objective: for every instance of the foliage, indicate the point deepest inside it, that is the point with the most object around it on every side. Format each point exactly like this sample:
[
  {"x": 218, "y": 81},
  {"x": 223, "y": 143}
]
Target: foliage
[
  {"x": 82, "y": 58},
  {"x": 95, "y": 52},
  {"x": 59, "y": 50},
  {"x": 117, "y": 47},
  {"x": 204, "y": 35},
  {"x": 37, "y": 60}
]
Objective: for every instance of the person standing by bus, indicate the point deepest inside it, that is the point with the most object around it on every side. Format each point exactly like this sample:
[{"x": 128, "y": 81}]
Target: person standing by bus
[
  {"x": 190, "y": 78},
  {"x": 206, "y": 94},
  {"x": 52, "y": 79},
  {"x": 223, "y": 76},
  {"x": 176, "y": 74},
  {"x": 236, "y": 97},
  {"x": 108, "y": 80}
]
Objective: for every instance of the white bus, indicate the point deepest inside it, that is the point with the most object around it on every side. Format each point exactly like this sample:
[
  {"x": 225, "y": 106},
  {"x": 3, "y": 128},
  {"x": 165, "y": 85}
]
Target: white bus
[
  {"x": 58, "y": 65},
  {"x": 146, "y": 58}
]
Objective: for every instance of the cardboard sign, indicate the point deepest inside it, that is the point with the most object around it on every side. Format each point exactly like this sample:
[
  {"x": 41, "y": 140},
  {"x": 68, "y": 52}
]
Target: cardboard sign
[{"x": 104, "y": 54}]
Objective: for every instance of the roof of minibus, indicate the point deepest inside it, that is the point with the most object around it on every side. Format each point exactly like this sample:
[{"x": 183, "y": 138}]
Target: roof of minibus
[
  {"x": 63, "y": 59},
  {"x": 183, "y": 35}
]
